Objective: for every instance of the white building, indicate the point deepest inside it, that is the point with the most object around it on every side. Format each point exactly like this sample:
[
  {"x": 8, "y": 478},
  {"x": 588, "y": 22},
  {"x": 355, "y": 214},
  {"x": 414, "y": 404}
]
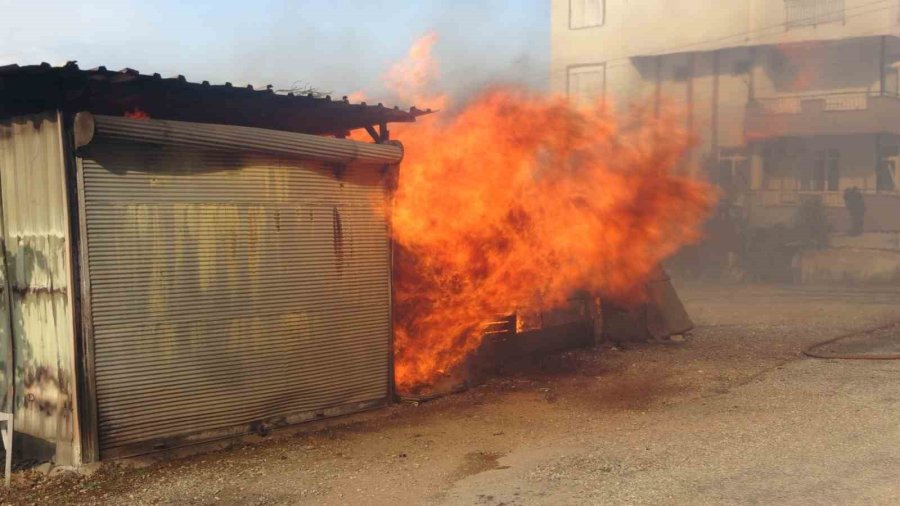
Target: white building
[{"x": 789, "y": 98}]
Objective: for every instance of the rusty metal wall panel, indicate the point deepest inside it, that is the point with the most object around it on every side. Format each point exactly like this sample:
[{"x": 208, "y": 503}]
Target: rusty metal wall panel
[
  {"x": 231, "y": 289},
  {"x": 35, "y": 220},
  {"x": 206, "y": 136}
]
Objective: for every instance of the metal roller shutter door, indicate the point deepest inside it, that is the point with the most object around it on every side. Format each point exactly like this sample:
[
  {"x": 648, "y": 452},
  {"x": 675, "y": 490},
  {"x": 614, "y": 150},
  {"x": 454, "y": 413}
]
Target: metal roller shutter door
[{"x": 227, "y": 289}]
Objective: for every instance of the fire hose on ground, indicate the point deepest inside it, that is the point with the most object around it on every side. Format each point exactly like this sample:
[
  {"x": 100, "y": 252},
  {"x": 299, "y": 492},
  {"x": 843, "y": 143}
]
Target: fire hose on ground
[{"x": 810, "y": 350}]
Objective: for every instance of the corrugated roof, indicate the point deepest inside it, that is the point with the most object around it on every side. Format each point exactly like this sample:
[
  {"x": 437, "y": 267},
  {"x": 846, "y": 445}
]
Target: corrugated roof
[{"x": 34, "y": 88}]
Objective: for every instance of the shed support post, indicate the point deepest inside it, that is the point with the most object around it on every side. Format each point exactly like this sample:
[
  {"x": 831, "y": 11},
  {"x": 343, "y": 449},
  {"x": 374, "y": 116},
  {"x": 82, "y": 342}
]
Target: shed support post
[
  {"x": 380, "y": 136},
  {"x": 376, "y": 137},
  {"x": 7, "y": 436},
  {"x": 883, "y": 67}
]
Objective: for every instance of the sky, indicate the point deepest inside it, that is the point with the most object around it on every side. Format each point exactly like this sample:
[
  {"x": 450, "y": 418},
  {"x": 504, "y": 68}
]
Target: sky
[{"x": 337, "y": 46}]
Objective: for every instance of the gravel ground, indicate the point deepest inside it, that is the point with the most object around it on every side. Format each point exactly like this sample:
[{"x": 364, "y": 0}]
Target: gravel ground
[{"x": 733, "y": 415}]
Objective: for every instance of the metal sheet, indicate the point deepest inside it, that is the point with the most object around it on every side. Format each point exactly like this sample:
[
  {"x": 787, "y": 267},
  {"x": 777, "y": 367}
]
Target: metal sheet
[
  {"x": 245, "y": 139},
  {"x": 35, "y": 219},
  {"x": 228, "y": 290},
  {"x": 35, "y": 88}
]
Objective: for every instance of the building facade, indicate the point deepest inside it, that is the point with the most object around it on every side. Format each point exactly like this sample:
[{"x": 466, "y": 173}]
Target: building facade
[{"x": 789, "y": 99}]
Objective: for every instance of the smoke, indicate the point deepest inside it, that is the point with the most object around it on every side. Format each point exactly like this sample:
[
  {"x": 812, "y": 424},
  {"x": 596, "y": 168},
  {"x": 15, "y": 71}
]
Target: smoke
[{"x": 336, "y": 47}]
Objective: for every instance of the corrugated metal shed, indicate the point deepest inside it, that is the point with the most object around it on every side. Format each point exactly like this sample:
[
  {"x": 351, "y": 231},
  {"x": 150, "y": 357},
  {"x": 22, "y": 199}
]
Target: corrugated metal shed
[
  {"x": 36, "y": 236},
  {"x": 251, "y": 140},
  {"x": 193, "y": 279},
  {"x": 229, "y": 288}
]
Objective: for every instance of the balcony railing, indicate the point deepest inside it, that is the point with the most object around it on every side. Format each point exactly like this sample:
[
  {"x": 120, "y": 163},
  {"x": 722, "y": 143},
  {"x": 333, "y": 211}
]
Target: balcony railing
[
  {"x": 813, "y": 12},
  {"x": 793, "y": 198},
  {"x": 796, "y": 104},
  {"x": 790, "y": 198},
  {"x": 857, "y": 112}
]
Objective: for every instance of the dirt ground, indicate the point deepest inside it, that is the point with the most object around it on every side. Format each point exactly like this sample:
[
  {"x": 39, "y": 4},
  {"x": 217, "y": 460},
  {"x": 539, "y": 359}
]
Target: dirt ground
[{"x": 733, "y": 415}]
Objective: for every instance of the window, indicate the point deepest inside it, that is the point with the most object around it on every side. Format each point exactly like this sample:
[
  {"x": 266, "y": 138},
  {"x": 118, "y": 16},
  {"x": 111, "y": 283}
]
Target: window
[
  {"x": 825, "y": 173},
  {"x": 892, "y": 80},
  {"x": 886, "y": 176},
  {"x": 885, "y": 180},
  {"x": 733, "y": 170},
  {"x": 813, "y": 12},
  {"x": 586, "y": 13},
  {"x": 587, "y": 83},
  {"x": 833, "y": 170}
]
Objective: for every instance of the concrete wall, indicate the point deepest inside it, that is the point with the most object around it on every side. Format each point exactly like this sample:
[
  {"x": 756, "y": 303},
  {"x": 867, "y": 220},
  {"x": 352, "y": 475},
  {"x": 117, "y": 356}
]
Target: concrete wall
[
  {"x": 653, "y": 27},
  {"x": 850, "y": 265},
  {"x": 37, "y": 251},
  {"x": 882, "y": 213},
  {"x": 887, "y": 241}
]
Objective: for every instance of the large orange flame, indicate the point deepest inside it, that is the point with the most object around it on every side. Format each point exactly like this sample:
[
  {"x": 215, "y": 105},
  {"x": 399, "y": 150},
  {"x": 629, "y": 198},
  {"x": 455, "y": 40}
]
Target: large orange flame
[{"x": 515, "y": 196}]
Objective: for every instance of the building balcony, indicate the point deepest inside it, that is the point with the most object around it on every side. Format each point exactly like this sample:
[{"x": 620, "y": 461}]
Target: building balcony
[
  {"x": 826, "y": 114},
  {"x": 769, "y": 207},
  {"x": 793, "y": 198}
]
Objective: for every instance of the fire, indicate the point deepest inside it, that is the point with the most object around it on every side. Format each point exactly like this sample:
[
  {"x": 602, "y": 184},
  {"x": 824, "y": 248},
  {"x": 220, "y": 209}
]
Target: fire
[
  {"x": 799, "y": 65},
  {"x": 412, "y": 78},
  {"x": 137, "y": 113},
  {"x": 515, "y": 196}
]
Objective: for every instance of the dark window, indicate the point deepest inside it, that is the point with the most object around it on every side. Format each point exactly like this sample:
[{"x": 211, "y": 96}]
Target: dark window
[
  {"x": 892, "y": 80},
  {"x": 825, "y": 172},
  {"x": 726, "y": 175},
  {"x": 812, "y": 175},
  {"x": 733, "y": 170},
  {"x": 887, "y": 170},
  {"x": 833, "y": 170}
]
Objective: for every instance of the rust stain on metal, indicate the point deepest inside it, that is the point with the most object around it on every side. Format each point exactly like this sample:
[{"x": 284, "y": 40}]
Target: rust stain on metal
[
  {"x": 32, "y": 170},
  {"x": 338, "y": 231},
  {"x": 46, "y": 392},
  {"x": 215, "y": 302}
]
